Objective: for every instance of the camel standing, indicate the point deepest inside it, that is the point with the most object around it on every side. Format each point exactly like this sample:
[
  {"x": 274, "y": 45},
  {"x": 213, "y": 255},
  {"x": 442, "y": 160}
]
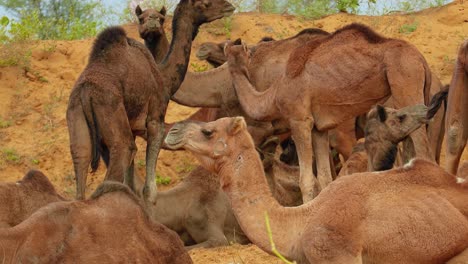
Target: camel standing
[
  {"x": 22, "y": 198},
  {"x": 111, "y": 227},
  {"x": 151, "y": 29},
  {"x": 456, "y": 122},
  {"x": 326, "y": 92},
  {"x": 385, "y": 217},
  {"x": 123, "y": 93}
]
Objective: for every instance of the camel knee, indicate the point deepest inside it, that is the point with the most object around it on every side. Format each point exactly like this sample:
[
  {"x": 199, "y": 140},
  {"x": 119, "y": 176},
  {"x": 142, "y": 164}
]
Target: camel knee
[{"x": 454, "y": 144}]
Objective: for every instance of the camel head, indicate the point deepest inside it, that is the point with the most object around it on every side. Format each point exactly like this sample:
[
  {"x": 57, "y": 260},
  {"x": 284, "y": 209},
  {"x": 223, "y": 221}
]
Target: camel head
[
  {"x": 395, "y": 125},
  {"x": 238, "y": 55},
  {"x": 212, "y": 52},
  {"x": 204, "y": 11},
  {"x": 211, "y": 142},
  {"x": 150, "y": 22}
]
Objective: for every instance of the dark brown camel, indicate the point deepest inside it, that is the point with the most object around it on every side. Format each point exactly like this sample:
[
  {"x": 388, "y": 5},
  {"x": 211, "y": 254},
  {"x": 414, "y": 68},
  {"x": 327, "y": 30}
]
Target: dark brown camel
[
  {"x": 111, "y": 227},
  {"x": 151, "y": 29},
  {"x": 22, "y": 198},
  {"x": 456, "y": 122},
  {"x": 330, "y": 93},
  {"x": 122, "y": 93},
  {"x": 385, "y": 217}
]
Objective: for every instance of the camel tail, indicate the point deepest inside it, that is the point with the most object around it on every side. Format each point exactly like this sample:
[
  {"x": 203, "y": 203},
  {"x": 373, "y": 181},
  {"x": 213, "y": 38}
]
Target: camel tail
[
  {"x": 436, "y": 102},
  {"x": 93, "y": 132}
]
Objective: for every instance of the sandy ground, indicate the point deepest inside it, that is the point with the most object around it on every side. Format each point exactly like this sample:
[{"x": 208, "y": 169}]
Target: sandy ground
[{"x": 33, "y": 131}]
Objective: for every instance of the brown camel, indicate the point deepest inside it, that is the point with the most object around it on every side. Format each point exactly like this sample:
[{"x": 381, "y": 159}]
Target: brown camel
[
  {"x": 462, "y": 172},
  {"x": 212, "y": 53},
  {"x": 349, "y": 89},
  {"x": 385, "y": 217},
  {"x": 111, "y": 227},
  {"x": 456, "y": 122},
  {"x": 22, "y": 198},
  {"x": 214, "y": 88},
  {"x": 151, "y": 29},
  {"x": 123, "y": 93}
]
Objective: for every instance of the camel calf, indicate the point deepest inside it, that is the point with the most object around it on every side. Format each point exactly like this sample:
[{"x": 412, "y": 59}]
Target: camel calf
[
  {"x": 111, "y": 227},
  {"x": 24, "y": 197}
]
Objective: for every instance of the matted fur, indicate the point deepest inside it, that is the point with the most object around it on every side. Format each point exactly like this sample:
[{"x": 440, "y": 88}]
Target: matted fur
[{"x": 105, "y": 40}]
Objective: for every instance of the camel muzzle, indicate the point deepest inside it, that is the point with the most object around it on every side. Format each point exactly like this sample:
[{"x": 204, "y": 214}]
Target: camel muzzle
[{"x": 175, "y": 137}]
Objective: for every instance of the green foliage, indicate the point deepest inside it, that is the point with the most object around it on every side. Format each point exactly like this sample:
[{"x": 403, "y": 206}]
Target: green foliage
[
  {"x": 53, "y": 19},
  {"x": 11, "y": 156},
  {"x": 4, "y": 123},
  {"x": 408, "y": 28},
  {"x": 162, "y": 180},
  {"x": 227, "y": 26},
  {"x": 198, "y": 67}
]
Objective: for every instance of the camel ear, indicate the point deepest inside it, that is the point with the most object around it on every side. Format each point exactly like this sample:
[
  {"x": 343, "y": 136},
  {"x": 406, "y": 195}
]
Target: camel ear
[
  {"x": 237, "y": 41},
  {"x": 382, "y": 113},
  {"x": 138, "y": 10},
  {"x": 244, "y": 46},
  {"x": 227, "y": 46},
  {"x": 163, "y": 11},
  {"x": 237, "y": 124}
]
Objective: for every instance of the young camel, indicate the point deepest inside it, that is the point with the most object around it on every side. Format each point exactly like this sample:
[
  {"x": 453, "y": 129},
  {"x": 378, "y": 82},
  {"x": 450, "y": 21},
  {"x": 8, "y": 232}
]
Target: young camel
[
  {"x": 22, "y": 198},
  {"x": 385, "y": 217},
  {"x": 351, "y": 91},
  {"x": 456, "y": 122},
  {"x": 122, "y": 93},
  {"x": 111, "y": 227}
]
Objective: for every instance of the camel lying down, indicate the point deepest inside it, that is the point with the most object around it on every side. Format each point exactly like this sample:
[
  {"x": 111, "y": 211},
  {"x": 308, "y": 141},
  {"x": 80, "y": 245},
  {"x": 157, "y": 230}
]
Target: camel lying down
[
  {"x": 22, "y": 198},
  {"x": 414, "y": 214},
  {"x": 111, "y": 227}
]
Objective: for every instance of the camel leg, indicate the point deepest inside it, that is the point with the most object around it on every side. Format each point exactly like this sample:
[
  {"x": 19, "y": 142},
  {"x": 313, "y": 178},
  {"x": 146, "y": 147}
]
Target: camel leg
[
  {"x": 435, "y": 131},
  {"x": 80, "y": 147},
  {"x": 301, "y": 134},
  {"x": 461, "y": 258},
  {"x": 155, "y": 131},
  {"x": 321, "y": 148},
  {"x": 116, "y": 133},
  {"x": 456, "y": 143}
]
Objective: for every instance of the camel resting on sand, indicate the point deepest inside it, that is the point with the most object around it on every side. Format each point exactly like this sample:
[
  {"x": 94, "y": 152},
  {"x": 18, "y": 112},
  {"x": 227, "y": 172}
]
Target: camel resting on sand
[
  {"x": 22, "y": 198},
  {"x": 456, "y": 121},
  {"x": 111, "y": 227},
  {"x": 414, "y": 214},
  {"x": 349, "y": 90}
]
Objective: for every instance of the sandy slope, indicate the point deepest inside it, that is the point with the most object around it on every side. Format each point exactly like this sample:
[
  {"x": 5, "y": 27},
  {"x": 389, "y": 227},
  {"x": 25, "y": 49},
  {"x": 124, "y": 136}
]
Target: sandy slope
[{"x": 33, "y": 103}]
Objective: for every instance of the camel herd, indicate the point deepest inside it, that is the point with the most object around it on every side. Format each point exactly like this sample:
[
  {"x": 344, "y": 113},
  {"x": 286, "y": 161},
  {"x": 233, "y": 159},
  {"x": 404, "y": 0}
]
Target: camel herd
[{"x": 336, "y": 136}]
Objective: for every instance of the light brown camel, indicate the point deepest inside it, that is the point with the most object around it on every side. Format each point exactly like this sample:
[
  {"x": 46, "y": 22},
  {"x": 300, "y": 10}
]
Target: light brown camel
[
  {"x": 212, "y": 53},
  {"x": 22, "y": 198},
  {"x": 111, "y": 227},
  {"x": 327, "y": 93},
  {"x": 214, "y": 88},
  {"x": 462, "y": 172},
  {"x": 456, "y": 122},
  {"x": 385, "y": 217},
  {"x": 151, "y": 29},
  {"x": 122, "y": 93}
]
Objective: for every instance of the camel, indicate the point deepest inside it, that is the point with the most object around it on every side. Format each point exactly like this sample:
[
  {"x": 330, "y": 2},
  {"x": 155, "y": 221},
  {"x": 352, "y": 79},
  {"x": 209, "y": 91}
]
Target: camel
[
  {"x": 212, "y": 53},
  {"x": 122, "y": 93},
  {"x": 352, "y": 92},
  {"x": 462, "y": 172},
  {"x": 151, "y": 29},
  {"x": 22, "y": 198},
  {"x": 111, "y": 227},
  {"x": 456, "y": 121},
  {"x": 214, "y": 88},
  {"x": 385, "y": 217}
]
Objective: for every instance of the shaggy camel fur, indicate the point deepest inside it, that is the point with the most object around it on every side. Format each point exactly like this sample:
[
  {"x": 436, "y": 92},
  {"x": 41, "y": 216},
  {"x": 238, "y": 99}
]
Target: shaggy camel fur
[
  {"x": 22, "y": 198},
  {"x": 367, "y": 74},
  {"x": 151, "y": 29},
  {"x": 385, "y": 217},
  {"x": 112, "y": 227},
  {"x": 456, "y": 122},
  {"x": 122, "y": 93}
]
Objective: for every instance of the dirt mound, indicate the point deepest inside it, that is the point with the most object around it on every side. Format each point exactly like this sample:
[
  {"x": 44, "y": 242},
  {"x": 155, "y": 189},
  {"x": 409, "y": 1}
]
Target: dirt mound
[{"x": 33, "y": 131}]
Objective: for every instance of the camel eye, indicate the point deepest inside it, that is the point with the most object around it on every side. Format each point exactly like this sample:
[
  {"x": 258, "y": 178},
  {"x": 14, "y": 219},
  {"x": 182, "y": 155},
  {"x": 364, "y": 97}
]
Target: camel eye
[
  {"x": 402, "y": 118},
  {"x": 207, "y": 133}
]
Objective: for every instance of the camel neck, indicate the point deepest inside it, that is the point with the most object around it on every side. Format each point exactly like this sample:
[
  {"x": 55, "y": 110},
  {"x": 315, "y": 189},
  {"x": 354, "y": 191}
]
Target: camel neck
[
  {"x": 246, "y": 186},
  {"x": 206, "y": 89},
  {"x": 158, "y": 47},
  {"x": 257, "y": 105},
  {"x": 381, "y": 156},
  {"x": 174, "y": 65}
]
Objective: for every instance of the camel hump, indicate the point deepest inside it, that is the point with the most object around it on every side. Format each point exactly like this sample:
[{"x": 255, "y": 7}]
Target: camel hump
[
  {"x": 38, "y": 180},
  {"x": 369, "y": 34},
  {"x": 312, "y": 31},
  {"x": 110, "y": 187},
  {"x": 106, "y": 39}
]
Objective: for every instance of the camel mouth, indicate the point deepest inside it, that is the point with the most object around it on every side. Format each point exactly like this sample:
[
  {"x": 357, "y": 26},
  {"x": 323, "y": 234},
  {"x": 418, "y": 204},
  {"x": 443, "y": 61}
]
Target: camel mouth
[
  {"x": 228, "y": 10},
  {"x": 175, "y": 137},
  {"x": 201, "y": 55}
]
